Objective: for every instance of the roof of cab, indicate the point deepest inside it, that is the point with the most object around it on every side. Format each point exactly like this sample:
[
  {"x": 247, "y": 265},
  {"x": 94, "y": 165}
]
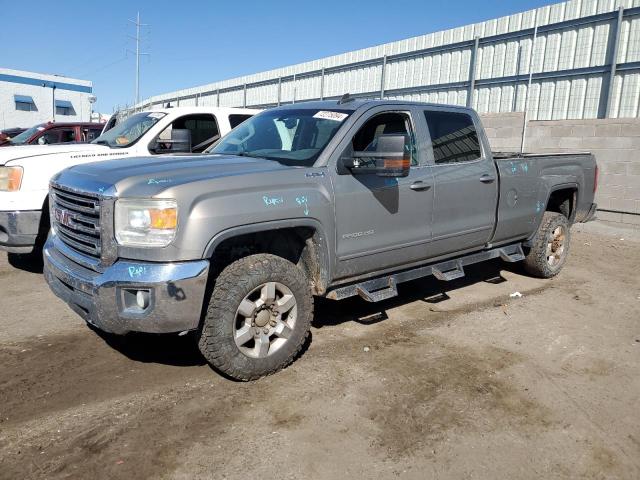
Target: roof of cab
[
  {"x": 355, "y": 104},
  {"x": 202, "y": 109}
]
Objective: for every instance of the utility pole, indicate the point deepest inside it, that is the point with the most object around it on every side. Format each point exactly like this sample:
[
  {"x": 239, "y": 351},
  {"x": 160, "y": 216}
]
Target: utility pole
[
  {"x": 526, "y": 98},
  {"x": 138, "y": 53},
  {"x": 53, "y": 102}
]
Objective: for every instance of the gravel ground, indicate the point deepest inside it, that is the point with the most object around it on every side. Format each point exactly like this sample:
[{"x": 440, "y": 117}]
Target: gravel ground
[{"x": 446, "y": 381}]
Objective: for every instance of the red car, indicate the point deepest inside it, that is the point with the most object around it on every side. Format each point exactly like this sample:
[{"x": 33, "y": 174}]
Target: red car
[{"x": 50, "y": 133}]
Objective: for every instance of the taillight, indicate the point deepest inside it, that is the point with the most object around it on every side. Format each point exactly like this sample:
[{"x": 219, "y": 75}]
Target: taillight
[{"x": 595, "y": 180}]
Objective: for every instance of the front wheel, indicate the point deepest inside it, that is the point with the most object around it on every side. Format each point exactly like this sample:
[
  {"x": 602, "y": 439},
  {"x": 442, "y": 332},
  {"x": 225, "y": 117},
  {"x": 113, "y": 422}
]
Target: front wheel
[
  {"x": 258, "y": 317},
  {"x": 550, "y": 246}
]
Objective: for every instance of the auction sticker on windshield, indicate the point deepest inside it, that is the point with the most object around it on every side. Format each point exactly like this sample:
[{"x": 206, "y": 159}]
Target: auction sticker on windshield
[
  {"x": 157, "y": 115},
  {"x": 327, "y": 115}
]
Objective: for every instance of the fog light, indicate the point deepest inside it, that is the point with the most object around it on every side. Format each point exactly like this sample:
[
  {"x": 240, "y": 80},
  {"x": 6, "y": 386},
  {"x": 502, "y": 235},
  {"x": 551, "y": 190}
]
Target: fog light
[
  {"x": 135, "y": 300},
  {"x": 142, "y": 299}
]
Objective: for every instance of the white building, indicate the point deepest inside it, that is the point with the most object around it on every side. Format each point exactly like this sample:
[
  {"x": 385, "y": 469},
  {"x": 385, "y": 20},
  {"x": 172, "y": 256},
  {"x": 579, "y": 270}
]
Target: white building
[{"x": 28, "y": 98}]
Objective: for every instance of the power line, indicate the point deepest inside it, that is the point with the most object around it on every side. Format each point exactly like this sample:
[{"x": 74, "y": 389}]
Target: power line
[{"x": 103, "y": 67}]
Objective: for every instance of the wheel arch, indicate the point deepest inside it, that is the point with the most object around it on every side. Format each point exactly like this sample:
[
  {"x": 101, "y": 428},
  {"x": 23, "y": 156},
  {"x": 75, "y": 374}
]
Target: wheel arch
[
  {"x": 563, "y": 199},
  {"x": 302, "y": 241}
]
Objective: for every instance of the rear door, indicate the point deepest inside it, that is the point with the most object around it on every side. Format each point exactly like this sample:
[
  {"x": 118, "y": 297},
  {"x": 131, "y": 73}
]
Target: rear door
[
  {"x": 466, "y": 181},
  {"x": 381, "y": 222}
]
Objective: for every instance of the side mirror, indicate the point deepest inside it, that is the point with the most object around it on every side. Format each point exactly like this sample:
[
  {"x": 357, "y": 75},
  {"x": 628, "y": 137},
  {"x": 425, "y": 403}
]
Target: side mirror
[
  {"x": 389, "y": 157},
  {"x": 42, "y": 141},
  {"x": 180, "y": 142}
]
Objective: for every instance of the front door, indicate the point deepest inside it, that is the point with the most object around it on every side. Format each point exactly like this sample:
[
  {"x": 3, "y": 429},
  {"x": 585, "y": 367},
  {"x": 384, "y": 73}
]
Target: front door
[{"x": 381, "y": 222}]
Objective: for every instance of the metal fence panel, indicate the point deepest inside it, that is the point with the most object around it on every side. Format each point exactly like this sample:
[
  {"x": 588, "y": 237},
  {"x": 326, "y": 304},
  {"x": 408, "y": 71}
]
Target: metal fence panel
[{"x": 574, "y": 74}]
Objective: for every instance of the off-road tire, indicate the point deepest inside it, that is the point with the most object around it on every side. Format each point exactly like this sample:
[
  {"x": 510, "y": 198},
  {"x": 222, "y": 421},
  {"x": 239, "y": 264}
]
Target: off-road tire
[
  {"x": 217, "y": 343},
  {"x": 536, "y": 262}
]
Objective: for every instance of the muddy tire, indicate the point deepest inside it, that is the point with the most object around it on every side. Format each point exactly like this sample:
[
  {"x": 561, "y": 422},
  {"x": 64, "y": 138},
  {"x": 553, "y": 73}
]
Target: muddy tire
[
  {"x": 258, "y": 317},
  {"x": 550, "y": 246}
]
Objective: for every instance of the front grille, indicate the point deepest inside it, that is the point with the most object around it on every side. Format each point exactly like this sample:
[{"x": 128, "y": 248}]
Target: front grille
[{"x": 76, "y": 219}]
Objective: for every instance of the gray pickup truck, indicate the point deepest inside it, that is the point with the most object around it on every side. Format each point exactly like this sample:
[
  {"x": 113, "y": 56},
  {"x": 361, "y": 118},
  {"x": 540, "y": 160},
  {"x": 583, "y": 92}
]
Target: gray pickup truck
[{"x": 332, "y": 198}]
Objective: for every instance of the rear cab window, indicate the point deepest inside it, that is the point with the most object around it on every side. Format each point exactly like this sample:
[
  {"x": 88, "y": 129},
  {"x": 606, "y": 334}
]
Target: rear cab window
[
  {"x": 237, "y": 118},
  {"x": 454, "y": 137}
]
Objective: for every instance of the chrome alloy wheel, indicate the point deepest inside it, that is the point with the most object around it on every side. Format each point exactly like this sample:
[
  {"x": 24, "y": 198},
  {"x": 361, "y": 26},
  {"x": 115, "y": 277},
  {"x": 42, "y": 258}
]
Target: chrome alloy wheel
[
  {"x": 556, "y": 246},
  {"x": 265, "y": 320}
]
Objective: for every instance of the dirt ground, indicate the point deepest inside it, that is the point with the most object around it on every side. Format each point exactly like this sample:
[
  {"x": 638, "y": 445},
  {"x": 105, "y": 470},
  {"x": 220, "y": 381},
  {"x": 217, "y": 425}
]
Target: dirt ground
[{"x": 447, "y": 381}]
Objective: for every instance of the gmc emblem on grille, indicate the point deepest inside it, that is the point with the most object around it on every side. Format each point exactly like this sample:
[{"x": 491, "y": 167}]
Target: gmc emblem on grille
[{"x": 63, "y": 217}]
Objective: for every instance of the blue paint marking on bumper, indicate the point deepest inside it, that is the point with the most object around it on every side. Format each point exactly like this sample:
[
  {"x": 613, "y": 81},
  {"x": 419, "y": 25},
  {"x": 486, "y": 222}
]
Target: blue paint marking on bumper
[{"x": 174, "y": 292}]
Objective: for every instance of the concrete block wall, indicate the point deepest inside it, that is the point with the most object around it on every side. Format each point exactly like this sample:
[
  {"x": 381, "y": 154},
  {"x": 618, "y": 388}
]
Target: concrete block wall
[
  {"x": 614, "y": 142},
  {"x": 504, "y": 130}
]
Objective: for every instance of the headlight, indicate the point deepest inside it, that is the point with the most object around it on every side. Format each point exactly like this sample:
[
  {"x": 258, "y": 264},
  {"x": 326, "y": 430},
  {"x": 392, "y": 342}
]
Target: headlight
[
  {"x": 10, "y": 179},
  {"x": 145, "y": 223}
]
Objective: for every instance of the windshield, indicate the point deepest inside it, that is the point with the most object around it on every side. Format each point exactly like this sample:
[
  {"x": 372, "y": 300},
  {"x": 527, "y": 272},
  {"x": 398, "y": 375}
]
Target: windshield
[
  {"x": 26, "y": 135},
  {"x": 128, "y": 132},
  {"x": 290, "y": 136}
]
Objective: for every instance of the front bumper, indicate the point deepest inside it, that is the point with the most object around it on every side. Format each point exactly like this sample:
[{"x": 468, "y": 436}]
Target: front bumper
[
  {"x": 107, "y": 299},
  {"x": 19, "y": 230}
]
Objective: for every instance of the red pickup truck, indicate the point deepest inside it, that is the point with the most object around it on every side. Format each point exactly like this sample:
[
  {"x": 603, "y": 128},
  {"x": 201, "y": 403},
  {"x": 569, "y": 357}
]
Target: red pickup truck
[{"x": 50, "y": 133}]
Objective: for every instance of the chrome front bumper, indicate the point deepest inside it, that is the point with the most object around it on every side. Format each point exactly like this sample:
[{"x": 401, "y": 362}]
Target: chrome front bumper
[
  {"x": 19, "y": 230},
  {"x": 107, "y": 299}
]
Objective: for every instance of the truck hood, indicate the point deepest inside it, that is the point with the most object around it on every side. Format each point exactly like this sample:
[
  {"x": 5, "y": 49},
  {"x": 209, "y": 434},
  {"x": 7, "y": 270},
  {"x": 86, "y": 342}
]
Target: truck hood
[
  {"x": 20, "y": 152},
  {"x": 149, "y": 176}
]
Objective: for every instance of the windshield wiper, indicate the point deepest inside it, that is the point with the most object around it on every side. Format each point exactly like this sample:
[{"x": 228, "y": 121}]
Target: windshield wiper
[{"x": 101, "y": 142}]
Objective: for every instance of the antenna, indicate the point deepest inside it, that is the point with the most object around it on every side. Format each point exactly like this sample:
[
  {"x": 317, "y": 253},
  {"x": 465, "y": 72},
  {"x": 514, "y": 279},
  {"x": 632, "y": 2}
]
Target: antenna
[
  {"x": 138, "y": 53},
  {"x": 346, "y": 98}
]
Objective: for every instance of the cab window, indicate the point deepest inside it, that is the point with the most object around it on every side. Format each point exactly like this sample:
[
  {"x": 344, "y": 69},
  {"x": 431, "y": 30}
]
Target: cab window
[
  {"x": 453, "y": 136},
  {"x": 384, "y": 124},
  {"x": 90, "y": 134},
  {"x": 203, "y": 128},
  {"x": 57, "y": 135}
]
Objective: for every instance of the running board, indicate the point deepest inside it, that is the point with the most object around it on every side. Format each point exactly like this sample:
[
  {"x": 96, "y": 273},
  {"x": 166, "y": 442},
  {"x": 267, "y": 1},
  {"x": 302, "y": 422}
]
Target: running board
[
  {"x": 378, "y": 295},
  {"x": 509, "y": 256},
  {"x": 385, "y": 287}
]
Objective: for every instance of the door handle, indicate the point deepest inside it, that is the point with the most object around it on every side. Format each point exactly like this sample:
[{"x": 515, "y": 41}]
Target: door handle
[
  {"x": 486, "y": 178},
  {"x": 419, "y": 185}
]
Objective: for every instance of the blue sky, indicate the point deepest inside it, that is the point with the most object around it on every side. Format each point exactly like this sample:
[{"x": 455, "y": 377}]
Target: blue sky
[{"x": 196, "y": 42}]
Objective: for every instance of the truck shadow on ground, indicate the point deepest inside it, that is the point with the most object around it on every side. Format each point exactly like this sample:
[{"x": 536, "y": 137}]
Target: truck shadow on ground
[
  {"x": 27, "y": 262},
  {"x": 183, "y": 351},
  {"x": 429, "y": 290},
  {"x": 174, "y": 350}
]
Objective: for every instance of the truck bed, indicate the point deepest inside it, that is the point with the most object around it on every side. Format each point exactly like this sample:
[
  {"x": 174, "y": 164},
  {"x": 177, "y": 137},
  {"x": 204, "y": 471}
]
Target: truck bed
[{"x": 527, "y": 179}]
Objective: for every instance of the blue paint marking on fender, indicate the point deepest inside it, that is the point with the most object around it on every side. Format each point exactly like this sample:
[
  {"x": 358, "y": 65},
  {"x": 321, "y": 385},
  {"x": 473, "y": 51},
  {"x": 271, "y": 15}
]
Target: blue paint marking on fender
[
  {"x": 539, "y": 206},
  {"x": 303, "y": 202},
  {"x": 135, "y": 272},
  {"x": 390, "y": 182},
  {"x": 272, "y": 201},
  {"x": 525, "y": 167},
  {"x": 153, "y": 181}
]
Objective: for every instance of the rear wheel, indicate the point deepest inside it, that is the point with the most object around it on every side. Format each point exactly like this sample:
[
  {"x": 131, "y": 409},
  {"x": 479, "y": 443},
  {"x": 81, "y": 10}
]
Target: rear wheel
[
  {"x": 550, "y": 246},
  {"x": 258, "y": 317}
]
